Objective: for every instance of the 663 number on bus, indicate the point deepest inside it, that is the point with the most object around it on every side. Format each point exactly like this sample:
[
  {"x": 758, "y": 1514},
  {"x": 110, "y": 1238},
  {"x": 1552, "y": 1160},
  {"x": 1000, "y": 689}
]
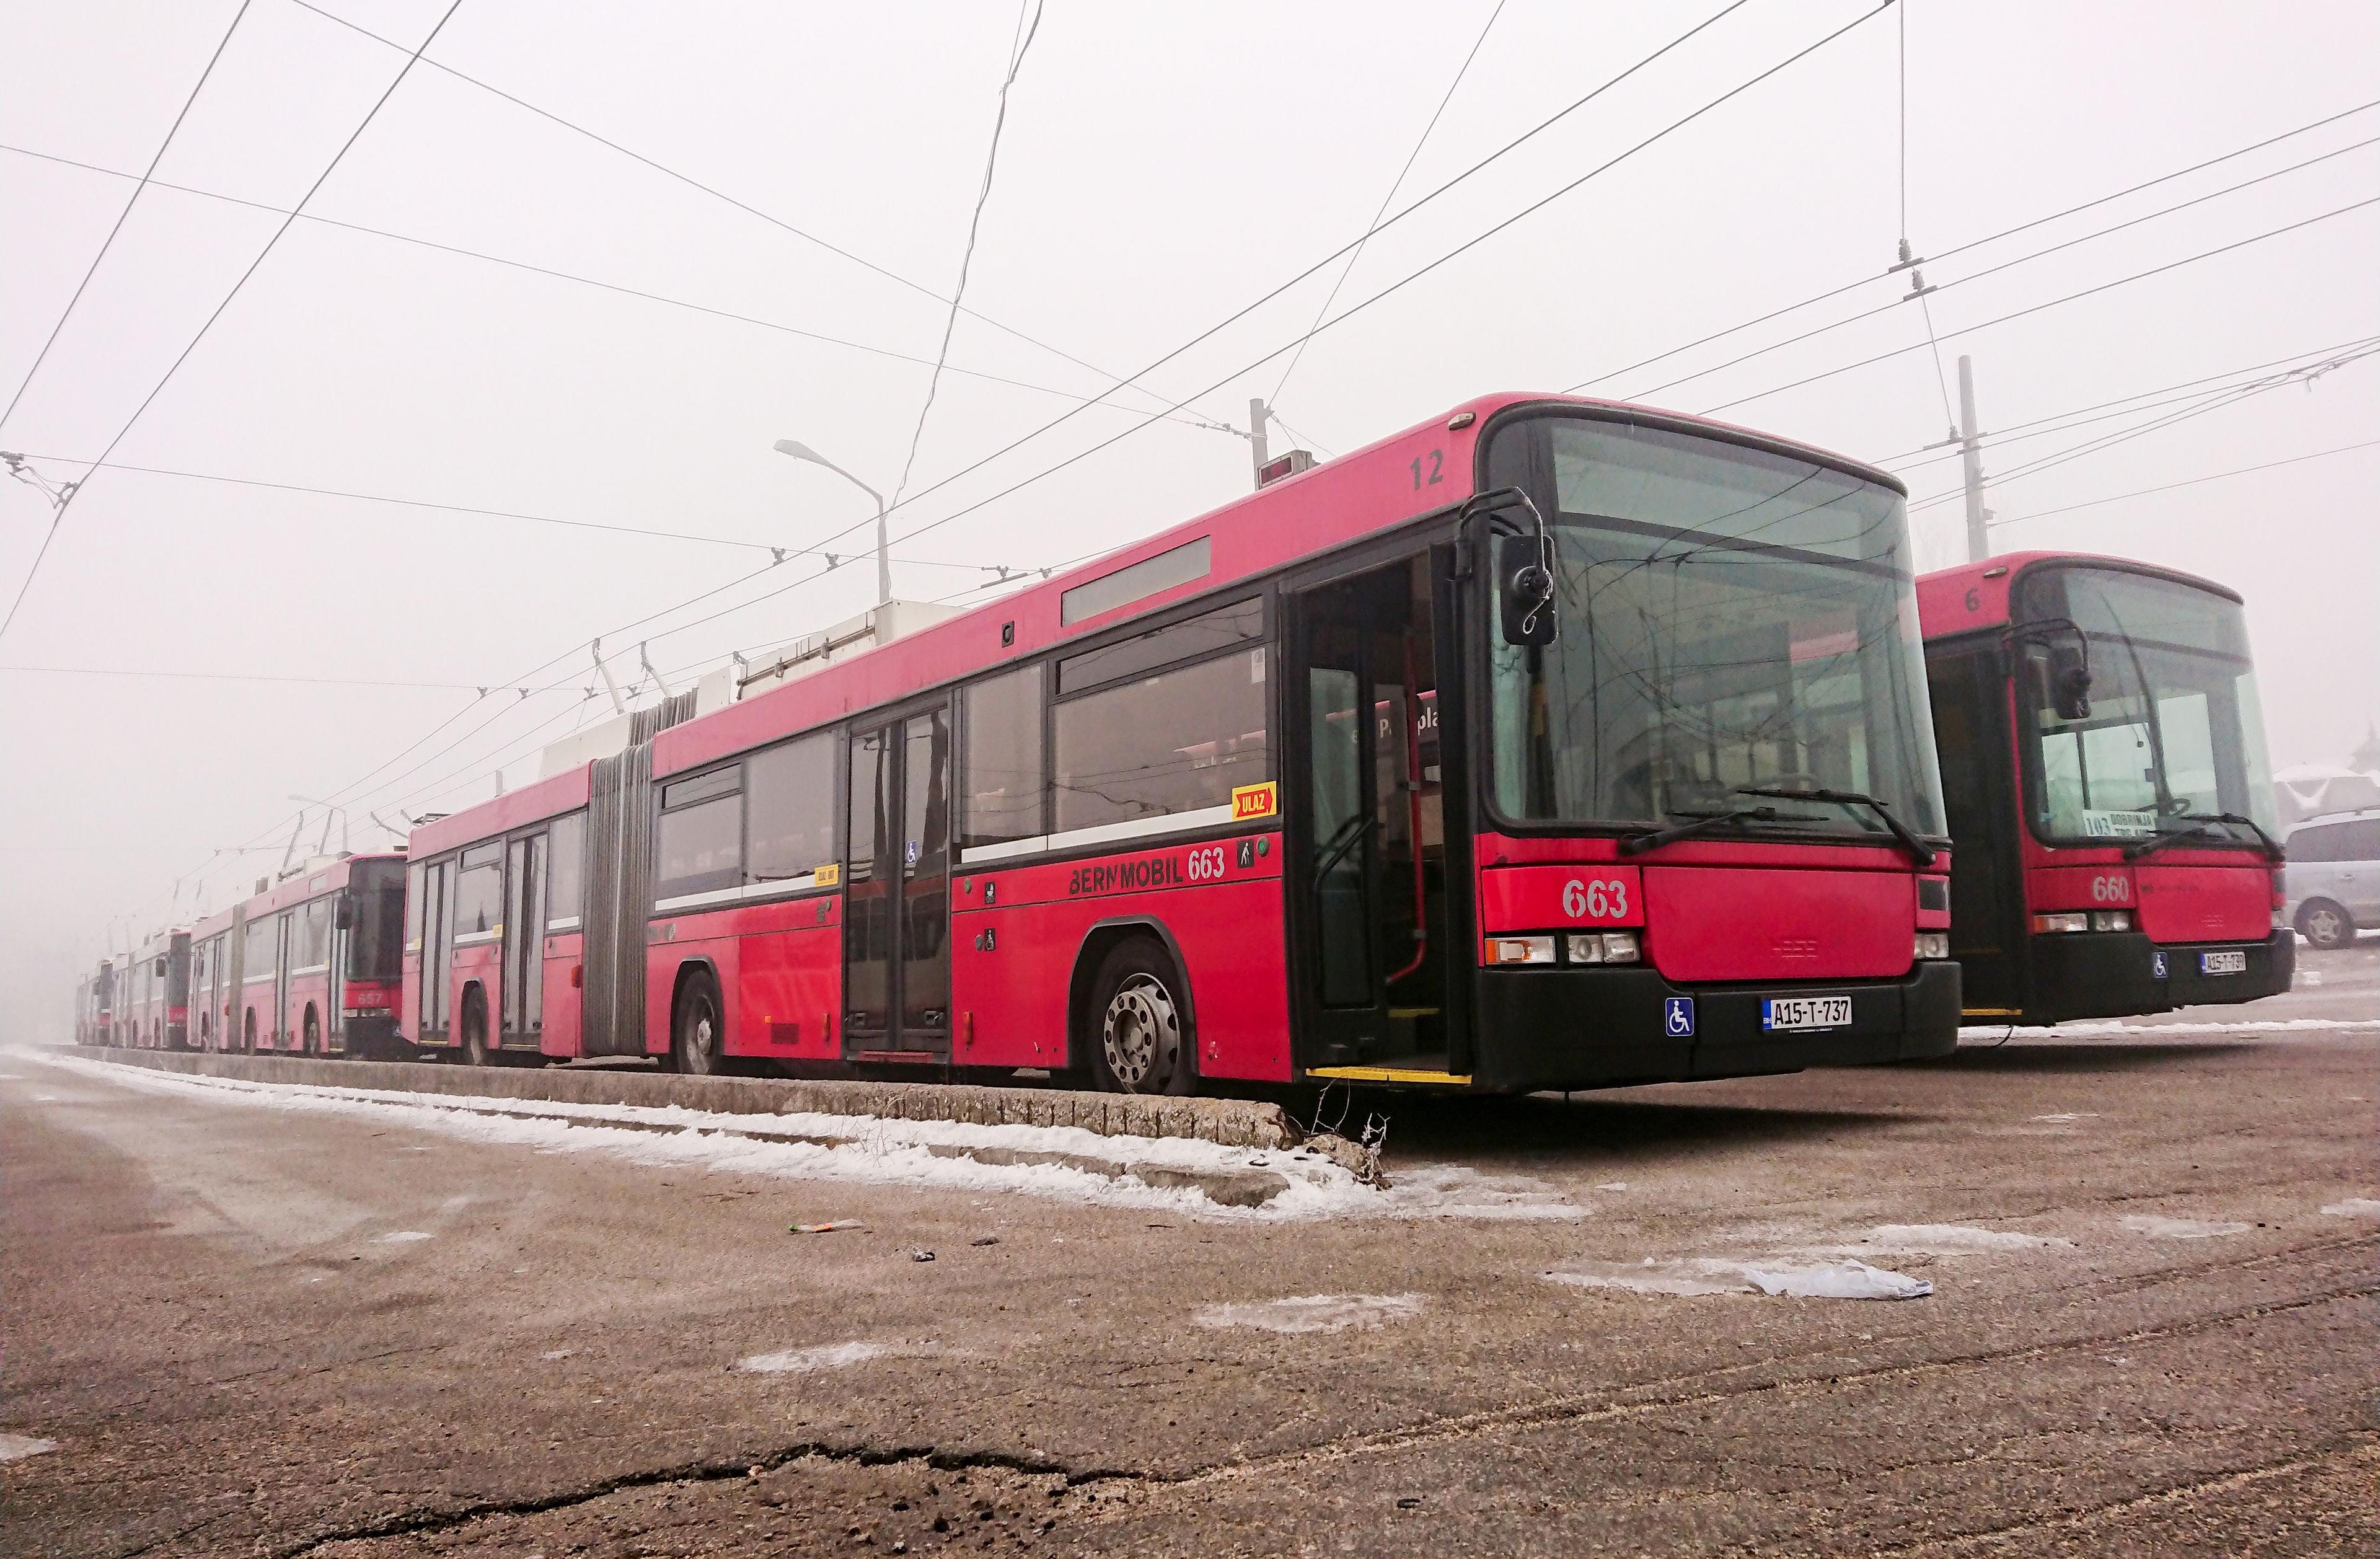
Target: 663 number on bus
[{"x": 1605, "y": 898}]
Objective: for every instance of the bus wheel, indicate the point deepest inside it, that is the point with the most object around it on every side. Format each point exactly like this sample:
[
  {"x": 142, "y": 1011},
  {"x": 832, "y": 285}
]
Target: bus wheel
[
  {"x": 475, "y": 1029},
  {"x": 1140, "y": 1035},
  {"x": 2324, "y": 924},
  {"x": 695, "y": 1038}
]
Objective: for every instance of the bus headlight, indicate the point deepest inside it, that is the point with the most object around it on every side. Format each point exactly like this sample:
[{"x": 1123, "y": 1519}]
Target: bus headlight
[
  {"x": 1933, "y": 945},
  {"x": 1605, "y": 947},
  {"x": 1520, "y": 950},
  {"x": 2065, "y": 920},
  {"x": 2111, "y": 920}
]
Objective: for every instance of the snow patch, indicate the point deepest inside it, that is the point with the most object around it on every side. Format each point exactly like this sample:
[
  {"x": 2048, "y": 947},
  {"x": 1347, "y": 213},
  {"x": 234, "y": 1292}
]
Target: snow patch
[
  {"x": 802, "y": 1361},
  {"x": 404, "y": 1236},
  {"x": 2157, "y": 1227},
  {"x": 2156, "y": 1030},
  {"x": 15, "y": 1447},
  {"x": 869, "y": 1149},
  {"x": 1312, "y": 1312},
  {"x": 1952, "y": 1240},
  {"x": 2353, "y": 1207},
  {"x": 2068, "y": 1117},
  {"x": 1692, "y": 1276}
]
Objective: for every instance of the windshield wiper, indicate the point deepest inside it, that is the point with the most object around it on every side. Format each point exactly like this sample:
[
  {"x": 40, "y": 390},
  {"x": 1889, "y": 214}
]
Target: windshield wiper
[
  {"x": 1919, "y": 850},
  {"x": 2201, "y": 823},
  {"x": 1707, "y": 823}
]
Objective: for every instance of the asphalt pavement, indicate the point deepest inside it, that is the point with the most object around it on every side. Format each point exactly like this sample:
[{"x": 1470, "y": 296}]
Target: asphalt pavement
[{"x": 243, "y": 1329}]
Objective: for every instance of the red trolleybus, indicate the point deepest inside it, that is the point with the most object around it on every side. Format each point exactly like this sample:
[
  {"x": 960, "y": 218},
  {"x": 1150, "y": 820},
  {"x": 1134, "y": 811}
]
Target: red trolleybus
[
  {"x": 310, "y": 965},
  {"x": 152, "y": 1002},
  {"x": 2103, "y": 759},
  {"x": 94, "y": 1006},
  {"x": 1550, "y": 744}
]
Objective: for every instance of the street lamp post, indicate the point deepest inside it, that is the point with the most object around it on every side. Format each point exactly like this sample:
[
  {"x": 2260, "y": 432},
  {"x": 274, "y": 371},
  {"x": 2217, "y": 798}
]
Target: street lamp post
[{"x": 800, "y": 451}]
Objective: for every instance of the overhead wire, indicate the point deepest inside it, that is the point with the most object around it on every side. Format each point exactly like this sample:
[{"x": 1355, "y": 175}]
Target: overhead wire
[
  {"x": 121, "y": 217},
  {"x": 2052, "y": 303},
  {"x": 58, "y": 516},
  {"x": 2192, "y": 482},
  {"x": 1017, "y": 52},
  {"x": 1395, "y": 185},
  {"x": 1978, "y": 243},
  {"x": 717, "y": 194}
]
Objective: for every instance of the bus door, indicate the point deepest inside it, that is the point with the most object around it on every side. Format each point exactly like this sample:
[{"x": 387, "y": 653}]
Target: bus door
[
  {"x": 524, "y": 966},
  {"x": 1988, "y": 930},
  {"x": 1367, "y": 841},
  {"x": 896, "y": 967},
  {"x": 341, "y": 910},
  {"x": 285, "y": 930}
]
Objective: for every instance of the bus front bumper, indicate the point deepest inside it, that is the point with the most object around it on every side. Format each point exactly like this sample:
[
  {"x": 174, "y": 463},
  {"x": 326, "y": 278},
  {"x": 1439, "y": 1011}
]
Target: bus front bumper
[
  {"x": 2117, "y": 974},
  {"x": 1543, "y": 1028}
]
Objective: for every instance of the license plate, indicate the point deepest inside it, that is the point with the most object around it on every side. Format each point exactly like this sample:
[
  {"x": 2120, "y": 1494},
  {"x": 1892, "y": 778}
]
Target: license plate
[
  {"x": 1794, "y": 1014},
  {"x": 2231, "y": 961}
]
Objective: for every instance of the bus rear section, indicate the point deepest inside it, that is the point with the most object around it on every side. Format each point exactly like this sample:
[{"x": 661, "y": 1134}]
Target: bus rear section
[{"x": 2108, "y": 785}]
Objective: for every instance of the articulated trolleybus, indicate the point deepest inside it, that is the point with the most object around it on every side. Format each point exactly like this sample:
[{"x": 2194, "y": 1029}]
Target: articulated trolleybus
[
  {"x": 1550, "y": 744},
  {"x": 2108, "y": 785}
]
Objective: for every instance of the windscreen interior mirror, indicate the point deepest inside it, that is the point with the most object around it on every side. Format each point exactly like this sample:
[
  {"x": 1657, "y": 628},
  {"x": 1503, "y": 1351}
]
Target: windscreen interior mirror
[
  {"x": 345, "y": 916},
  {"x": 2069, "y": 681},
  {"x": 1525, "y": 591}
]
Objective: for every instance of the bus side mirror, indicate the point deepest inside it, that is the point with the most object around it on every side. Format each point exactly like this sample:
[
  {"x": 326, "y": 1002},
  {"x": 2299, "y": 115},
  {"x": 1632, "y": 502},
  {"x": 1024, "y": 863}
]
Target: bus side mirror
[
  {"x": 2069, "y": 682},
  {"x": 161, "y": 967},
  {"x": 1525, "y": 596},
  {"x": 344, "y": 916}
]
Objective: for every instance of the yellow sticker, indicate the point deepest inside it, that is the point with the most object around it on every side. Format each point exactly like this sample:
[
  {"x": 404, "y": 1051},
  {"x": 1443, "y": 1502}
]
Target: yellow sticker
[
  {"x": 1254, "y": 801},
  {"x": 828, "y": 875}
]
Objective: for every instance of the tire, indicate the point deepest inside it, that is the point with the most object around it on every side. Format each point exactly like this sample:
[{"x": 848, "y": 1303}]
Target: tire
[
  {"x": 698, "y": 1033},
  {"x": 2325, "y": 925},
  {"x": 1139, "y": 1030},
  {"x": 248, "y": 1033},
  {"x": 475, "y": 1028},
  {"x": 313, "y": 1041}
]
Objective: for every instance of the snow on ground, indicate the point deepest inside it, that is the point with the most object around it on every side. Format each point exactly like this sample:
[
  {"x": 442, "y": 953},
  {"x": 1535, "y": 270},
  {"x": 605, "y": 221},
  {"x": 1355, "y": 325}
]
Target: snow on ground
[
  {"x": 1312, "y": 1312},
  {"x": 15, "y": 1446},
  {"x": 2353, "y": 1207},
  {"x": 1692, "y": 1276},
  {"x": 802, "y": 1362},
  {"x": 872, "y": 1150},
  {"x": 404, "y": 1236},
  {"x": 2157, "y": 1227},
  {"x": 1945, "y": 1239}
]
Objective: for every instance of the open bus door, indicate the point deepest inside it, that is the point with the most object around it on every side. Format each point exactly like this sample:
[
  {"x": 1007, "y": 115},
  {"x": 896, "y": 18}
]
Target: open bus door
[
  {"x": 1365, "y": 835},
  {"x": 898, "y": 890},
  {"x": 1968, "y": 683}
]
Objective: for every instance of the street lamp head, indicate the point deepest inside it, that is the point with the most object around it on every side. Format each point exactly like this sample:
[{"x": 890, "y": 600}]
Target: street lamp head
[{"x": 799, "y": 451}]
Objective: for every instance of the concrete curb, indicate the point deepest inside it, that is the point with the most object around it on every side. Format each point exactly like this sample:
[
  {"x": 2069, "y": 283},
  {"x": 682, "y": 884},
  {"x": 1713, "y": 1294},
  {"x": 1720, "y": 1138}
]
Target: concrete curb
[{"x": 1233, "y": 1123}]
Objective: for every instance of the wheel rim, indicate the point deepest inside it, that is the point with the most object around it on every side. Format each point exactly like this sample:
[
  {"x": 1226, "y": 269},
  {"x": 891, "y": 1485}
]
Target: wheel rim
[
  {"x": 701, "y": 1036},
  {"x": 2322, "y": 926},
  {"x": 1141, "y": 1033}
]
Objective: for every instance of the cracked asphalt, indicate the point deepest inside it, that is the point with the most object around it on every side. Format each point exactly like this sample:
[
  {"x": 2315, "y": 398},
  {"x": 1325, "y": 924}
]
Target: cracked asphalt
[{"x": 280, "y": 1332}]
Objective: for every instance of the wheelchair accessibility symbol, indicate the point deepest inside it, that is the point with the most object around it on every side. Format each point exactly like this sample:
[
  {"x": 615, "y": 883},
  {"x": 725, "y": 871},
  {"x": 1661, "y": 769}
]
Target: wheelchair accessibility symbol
[
  {"x": 1678, "y": 1017},
  {"x": 2156, "y": 965}
]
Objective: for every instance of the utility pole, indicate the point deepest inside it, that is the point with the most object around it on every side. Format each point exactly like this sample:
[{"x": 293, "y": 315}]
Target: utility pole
[
  {"x": 1258, "y": 414},
  {"x": 1971, "y": 457}
]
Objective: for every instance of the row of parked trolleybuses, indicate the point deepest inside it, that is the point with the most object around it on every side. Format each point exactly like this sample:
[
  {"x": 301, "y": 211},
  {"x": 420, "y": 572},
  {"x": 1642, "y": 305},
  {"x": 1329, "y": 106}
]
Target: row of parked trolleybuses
[{"x": 1550, "y": 744}]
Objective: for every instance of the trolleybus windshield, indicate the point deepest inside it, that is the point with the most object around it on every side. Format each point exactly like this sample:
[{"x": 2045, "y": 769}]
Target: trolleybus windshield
[
  {"x": 376, "y": 944},
  {"x": 1730, "y": 616},
  {"x": 2173, "y": 738}
]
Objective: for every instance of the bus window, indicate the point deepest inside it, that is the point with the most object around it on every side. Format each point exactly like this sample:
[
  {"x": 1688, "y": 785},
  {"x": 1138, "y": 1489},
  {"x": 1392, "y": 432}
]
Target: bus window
[
  {"x": 565, "y": 885},
  {"x": 480, "y": 891},
  {"x": 1003, "y": 771},
  {"x": 790, "y": 792},
  {"x": 699, "y": 845},
  {"x": 1176, "y": 742}
]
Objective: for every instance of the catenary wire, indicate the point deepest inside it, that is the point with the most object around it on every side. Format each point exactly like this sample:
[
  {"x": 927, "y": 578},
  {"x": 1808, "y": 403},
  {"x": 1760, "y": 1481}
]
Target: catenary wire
[
  {"x": 147, "y": 174},
  {"x": 58, "y": 516},
  {"x": 1978, "y": 243},
  {"x": 1395, "y": 185},
  {"x": 2192, "y": 482}
]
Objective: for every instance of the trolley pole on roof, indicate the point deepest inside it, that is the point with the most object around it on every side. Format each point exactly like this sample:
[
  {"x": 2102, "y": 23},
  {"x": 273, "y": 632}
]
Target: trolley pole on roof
[
  {"x": 1258, "y": 414},
  {"x": 1971, "y": 457}
]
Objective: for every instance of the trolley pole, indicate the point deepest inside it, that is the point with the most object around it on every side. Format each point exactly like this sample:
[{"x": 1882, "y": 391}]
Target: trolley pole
[
  {"x": 1971, "y": 453},
  {"x": 1257, "y": 415}
]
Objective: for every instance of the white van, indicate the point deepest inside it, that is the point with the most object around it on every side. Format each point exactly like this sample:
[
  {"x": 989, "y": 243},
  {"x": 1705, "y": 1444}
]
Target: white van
[{"x": 2334, "y": 875}]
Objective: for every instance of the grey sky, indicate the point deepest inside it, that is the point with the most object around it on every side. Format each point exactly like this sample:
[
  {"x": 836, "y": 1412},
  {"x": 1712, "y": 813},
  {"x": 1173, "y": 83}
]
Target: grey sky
[{"x": 1162, "y": 166}]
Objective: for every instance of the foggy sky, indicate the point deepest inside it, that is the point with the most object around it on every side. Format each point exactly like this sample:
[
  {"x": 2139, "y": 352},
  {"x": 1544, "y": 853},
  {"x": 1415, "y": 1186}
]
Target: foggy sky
[{"x": 1160, "y": 167}]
